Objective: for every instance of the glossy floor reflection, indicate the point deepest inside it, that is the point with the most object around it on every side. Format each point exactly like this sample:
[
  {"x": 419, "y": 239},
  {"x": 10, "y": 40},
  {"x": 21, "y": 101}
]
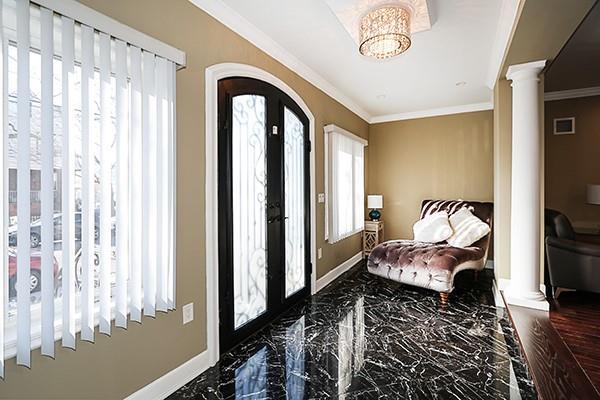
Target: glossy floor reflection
[{"x": 365, "y": 337}]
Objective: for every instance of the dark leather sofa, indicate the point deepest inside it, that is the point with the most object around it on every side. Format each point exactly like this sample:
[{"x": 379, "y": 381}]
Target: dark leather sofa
[{"x": 572, "y": 264}]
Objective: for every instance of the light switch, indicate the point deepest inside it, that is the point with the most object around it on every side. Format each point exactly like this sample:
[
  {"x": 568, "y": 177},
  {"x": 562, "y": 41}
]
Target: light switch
[
  {"x": 188, "y": 313},
  {"x": 319, "y": 253}
]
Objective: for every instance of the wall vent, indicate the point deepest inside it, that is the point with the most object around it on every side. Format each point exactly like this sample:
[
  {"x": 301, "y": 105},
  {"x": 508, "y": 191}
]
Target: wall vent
[{"x": 564, "y": 126}]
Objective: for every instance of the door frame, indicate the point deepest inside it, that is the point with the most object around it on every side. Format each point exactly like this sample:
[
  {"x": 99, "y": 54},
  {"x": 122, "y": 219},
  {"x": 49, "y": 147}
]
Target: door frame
[{"x": 213, "y": 74}]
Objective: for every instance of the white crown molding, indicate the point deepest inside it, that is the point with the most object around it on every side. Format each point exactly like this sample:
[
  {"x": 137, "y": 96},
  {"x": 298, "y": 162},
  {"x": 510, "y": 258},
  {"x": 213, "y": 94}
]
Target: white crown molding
[
  {"x": 237, "y": 23},
  {"x": 509, "y": 12},
  {"x": 433, "y": 112},
  {"x": 572, "y": 94}
]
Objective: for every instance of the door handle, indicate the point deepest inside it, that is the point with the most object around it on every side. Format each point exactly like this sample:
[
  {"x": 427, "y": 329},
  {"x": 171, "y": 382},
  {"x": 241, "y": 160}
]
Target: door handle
[{"x": 276, "y": 218}]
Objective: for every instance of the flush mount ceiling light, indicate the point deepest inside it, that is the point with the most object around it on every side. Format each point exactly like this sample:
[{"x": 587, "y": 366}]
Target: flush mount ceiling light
[{"x": 385, "y": 32}]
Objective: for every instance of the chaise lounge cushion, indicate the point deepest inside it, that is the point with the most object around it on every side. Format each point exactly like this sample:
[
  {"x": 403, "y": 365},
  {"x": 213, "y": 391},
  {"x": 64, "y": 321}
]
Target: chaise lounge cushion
[{"x": 427, "y": 265}]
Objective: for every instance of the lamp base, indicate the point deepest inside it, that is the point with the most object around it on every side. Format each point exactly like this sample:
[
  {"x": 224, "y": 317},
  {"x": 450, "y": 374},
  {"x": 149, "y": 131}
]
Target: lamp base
[{"x": 375, "y": 215}]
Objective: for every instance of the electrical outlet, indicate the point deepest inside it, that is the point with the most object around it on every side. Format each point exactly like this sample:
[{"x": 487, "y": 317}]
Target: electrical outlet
[
  {"x": 321, "y": 197},
  {"x": 319, "y": 253},
  {"x": 188, "y": 313}
]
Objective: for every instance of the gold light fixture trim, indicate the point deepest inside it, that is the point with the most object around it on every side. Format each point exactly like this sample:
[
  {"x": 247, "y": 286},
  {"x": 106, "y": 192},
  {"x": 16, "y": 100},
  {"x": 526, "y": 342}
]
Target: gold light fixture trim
[{"x": 385, "y": 32}]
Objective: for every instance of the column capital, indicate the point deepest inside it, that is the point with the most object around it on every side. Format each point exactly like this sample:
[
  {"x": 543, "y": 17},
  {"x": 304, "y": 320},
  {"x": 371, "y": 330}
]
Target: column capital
[{"x": 530, "y": 70}]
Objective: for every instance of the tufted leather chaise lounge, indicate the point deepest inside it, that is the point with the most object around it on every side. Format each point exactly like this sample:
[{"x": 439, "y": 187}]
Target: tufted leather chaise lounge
[{"x": 432, "y": 266}]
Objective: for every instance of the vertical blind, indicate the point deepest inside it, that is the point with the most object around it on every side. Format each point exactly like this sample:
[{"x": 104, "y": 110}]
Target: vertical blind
[
  {"x": 346, "y": 194},
  {"x": 87, "y": 181}
]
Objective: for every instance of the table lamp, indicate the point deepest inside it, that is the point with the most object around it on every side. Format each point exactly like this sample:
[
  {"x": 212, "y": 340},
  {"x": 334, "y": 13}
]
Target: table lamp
[
  {"x": 593, "y": 194},
  {"x": 375, "y": 202}
]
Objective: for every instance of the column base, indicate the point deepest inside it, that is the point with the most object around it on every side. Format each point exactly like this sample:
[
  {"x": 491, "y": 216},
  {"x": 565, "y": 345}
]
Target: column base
[{"x": 535, "y": 300}]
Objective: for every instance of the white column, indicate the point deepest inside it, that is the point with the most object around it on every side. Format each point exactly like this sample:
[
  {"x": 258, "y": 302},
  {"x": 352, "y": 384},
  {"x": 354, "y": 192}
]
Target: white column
[{"x": 524, "y": 288}]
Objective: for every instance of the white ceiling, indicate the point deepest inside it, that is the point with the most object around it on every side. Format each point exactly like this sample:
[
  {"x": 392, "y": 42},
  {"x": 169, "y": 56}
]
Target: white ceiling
[{"x": 462, "y": 45}]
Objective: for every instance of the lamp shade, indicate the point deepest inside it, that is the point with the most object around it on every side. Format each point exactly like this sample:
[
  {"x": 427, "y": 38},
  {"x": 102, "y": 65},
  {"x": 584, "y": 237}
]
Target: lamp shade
[
  {"x": 593, "y": 194},
  {"x": 374, "y": 201}
]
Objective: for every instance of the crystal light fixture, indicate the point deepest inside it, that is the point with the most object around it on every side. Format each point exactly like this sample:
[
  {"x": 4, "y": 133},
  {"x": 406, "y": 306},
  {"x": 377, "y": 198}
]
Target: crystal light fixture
[{"x": 385, "y": 32}]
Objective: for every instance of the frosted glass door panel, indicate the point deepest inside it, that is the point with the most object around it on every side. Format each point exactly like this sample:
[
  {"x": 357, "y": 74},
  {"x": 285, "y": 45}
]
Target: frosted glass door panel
[
  {"x": 249, "y": 191},
  {"x": 294, "y": 151}
]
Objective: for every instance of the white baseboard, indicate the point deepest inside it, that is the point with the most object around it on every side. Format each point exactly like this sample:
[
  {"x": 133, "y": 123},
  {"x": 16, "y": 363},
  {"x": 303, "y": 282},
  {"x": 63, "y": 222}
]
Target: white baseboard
[
  {"x": 337, "y": 271},
  {"x": 497, "y": 295},
  {"x": 173, "y": 380},
  {"x": 503, "y": 284},
  {"x": 489, "y": 264}
]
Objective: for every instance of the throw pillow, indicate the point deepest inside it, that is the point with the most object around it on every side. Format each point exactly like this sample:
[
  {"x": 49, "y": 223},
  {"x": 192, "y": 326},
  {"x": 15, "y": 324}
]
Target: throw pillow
[
  {"x": 433, "y": 228},
  {"x": 467, "y": 228}
]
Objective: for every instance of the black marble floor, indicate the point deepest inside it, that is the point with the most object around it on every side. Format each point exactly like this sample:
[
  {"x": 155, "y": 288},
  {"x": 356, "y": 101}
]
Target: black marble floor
[{"x": 364, "y": 337}]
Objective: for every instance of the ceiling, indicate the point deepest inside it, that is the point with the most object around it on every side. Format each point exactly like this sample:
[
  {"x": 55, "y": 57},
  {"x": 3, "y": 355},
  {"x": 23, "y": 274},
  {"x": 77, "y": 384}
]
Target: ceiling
[
  {"x": 461, "y": 48},
  {"x": 576, "y": 66}
]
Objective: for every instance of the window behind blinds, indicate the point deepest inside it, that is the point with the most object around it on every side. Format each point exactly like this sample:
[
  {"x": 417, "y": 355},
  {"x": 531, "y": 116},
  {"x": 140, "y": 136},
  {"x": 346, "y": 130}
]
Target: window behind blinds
[
  {"x": 87, "y": 182},
  {"x": 345, "y": 183}
]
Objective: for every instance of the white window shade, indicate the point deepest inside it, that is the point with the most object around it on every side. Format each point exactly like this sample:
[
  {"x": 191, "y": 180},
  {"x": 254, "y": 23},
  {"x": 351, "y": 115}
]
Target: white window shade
[
  {"x": 344, "y": 183},
  {"x": 88, "y": 177}
]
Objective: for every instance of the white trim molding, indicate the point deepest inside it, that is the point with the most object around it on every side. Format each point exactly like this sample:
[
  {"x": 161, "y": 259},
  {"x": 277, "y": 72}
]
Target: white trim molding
[
  {"x": 213, "y": 74},
  {"x": 334, "y": 128},
  {"x": 509, "y": 14},
  {"x": 240, "y": 25},
  {"x": 498, "y": 301},
  {"x": 167, "y": 384},
  {"x": 339, "y": 270},
  {"x": 572, "y": 94},
  {"x": 503, "y": 284},
  {"x": 434, "y": 112},
  {"x": 88, "y": 16}
]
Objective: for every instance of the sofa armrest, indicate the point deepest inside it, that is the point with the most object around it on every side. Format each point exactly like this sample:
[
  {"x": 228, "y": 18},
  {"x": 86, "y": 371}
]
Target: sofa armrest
[{"x": 588, "y": 249}]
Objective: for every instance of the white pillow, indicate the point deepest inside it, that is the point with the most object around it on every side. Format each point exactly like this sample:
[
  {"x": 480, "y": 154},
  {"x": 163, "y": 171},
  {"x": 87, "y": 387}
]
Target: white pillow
[
  {"x": 433, "y": 228},
  {"x": 467, "y": 228}
]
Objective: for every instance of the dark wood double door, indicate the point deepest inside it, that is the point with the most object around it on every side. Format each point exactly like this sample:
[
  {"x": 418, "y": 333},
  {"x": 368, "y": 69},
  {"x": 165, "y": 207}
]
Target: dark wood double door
[{"x": 264, "y": 213}]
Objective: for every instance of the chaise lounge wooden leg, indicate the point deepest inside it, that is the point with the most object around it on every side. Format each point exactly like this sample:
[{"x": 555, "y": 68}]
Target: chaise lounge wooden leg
[{"x": 444, "y": 298}]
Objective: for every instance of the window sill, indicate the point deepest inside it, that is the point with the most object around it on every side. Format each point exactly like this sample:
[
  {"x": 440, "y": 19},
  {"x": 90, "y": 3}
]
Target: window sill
[{"x": 344, "y": 236}]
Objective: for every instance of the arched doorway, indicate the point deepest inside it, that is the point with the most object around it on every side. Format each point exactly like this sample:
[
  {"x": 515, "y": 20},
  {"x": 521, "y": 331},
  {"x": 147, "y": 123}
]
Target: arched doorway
[{"x": 263, "y": 206}]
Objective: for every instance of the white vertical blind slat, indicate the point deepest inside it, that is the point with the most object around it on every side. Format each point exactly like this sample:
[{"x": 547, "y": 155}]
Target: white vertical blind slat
[
  {"x": 135, "y": 59},
  {"x": 359, "y": 185},
  {"x": 47, "y": 177},
  {"x": 112, "y": 143},
  {"x": 162, "y": 189},
  {"x": 23, "y": 186},
  {"x": 3, "y": 194},
  {"x": 122, "y": 228},
  {"x": 105, "y": 184},
  {"x": 149, "y": 183},
  {"x": 68, "y": 180},
  {"x": 87, "y": 184},
  {"x": 171, "y": 185}
]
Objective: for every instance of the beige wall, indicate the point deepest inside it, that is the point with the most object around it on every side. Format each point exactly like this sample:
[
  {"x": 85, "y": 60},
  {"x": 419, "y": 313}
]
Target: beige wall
[
  {"x": 572, "y": 161},
  {"x": 117, "y": 366},
  {"x": 502, "y": 176},
  {"x": 447, "y": 157}
]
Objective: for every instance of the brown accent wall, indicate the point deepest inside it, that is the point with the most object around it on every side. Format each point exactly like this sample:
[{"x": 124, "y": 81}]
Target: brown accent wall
[
  {"x": 572, "y": 161},
  {"x": 113, "y": 368},
  {"x": 446, "y": 157}
]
